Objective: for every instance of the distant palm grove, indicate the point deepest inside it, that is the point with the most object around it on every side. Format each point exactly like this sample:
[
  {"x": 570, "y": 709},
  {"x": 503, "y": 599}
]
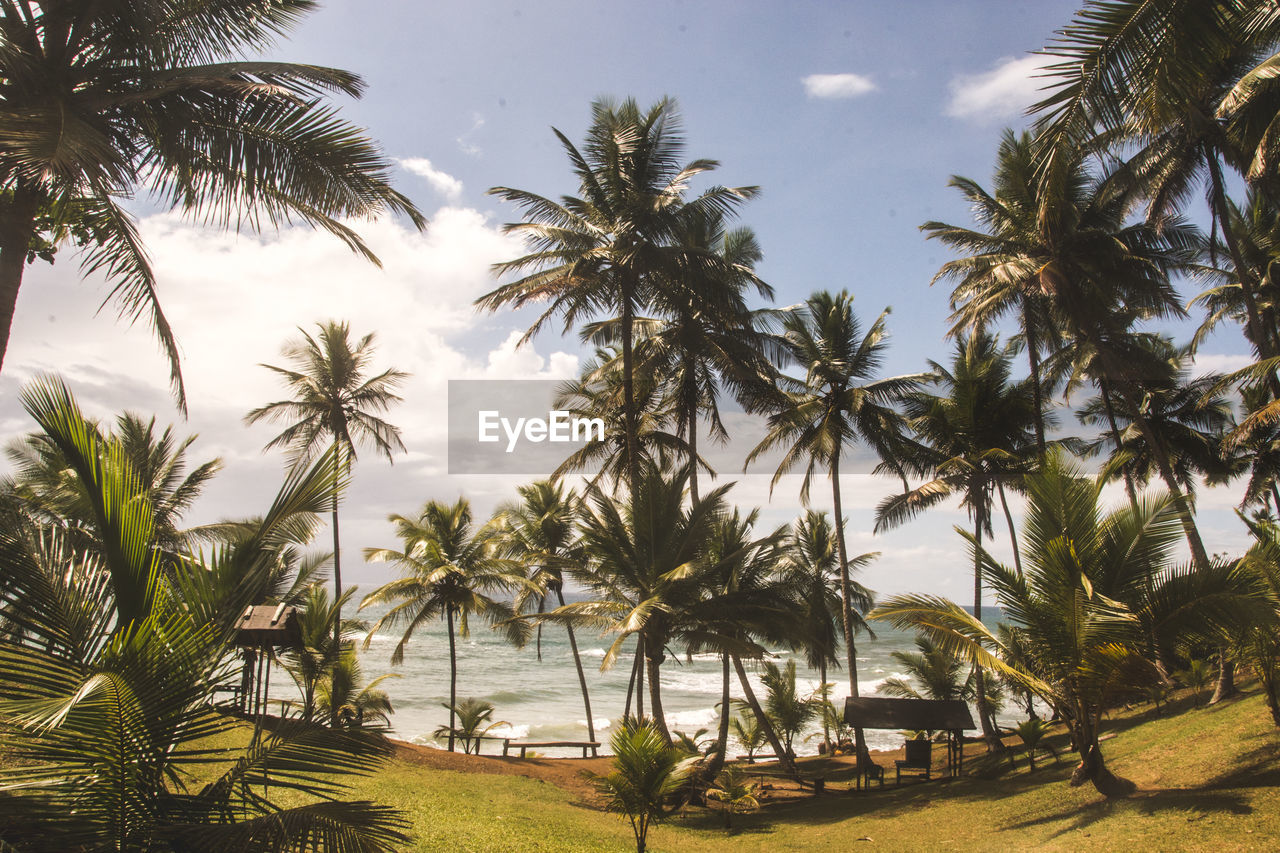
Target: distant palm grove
[{"x": 127, "y": 688}]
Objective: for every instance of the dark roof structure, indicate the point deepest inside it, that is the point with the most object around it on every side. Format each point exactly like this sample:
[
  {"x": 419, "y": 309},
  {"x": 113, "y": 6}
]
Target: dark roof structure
[
  {"x": 878, "y": 712},
  {"x": 263, "y": 625}
]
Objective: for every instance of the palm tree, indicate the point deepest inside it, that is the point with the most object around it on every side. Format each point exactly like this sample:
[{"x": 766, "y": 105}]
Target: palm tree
[
  {"x": 973, "y": 437},
  {"x": 102, "y": 99},
  {"x": 1069, "y": 604},
  {"x": 645, "y": 776},
  {"x": 838, "y": 404},
  {"x": 448, "y": 570},
  {"x": 939, "y": 675},
  {"x": 813, "y": 562},
  {"x": 475, "y": 721},
  {"x": 110, "y": 676},
  {"x": 612, "y": 247},
  {"x": 643, "y": 570},
  {"x": 704, "y": 339},
  {"x": 346, "y": 697},
  {"x": 788, "y": 711},
  {"x": 335, "y": 404},
  {"x": 539, "y": 532}
]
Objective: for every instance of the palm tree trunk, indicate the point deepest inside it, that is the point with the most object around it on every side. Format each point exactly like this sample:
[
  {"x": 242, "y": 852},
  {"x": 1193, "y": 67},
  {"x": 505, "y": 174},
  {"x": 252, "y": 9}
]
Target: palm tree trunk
[
  {"x": 1115, "y": 438},
  {"x": 1092, "y": 768},
  {"x": 337, "y": 569},
  {"x": 453, "y": 677},
  {"x": 17, "y": 223},
  {"x": 542, "y": 603},
  {"x": 582, "y": 677},
  {"x": 692, "y": 415},
  {"x": 628, "y": 385},
  {"x": 1033, "y": 356},
  {"x": 640, "y": 676},
  {"x": 1199, "y": 556},
  {"x": 722, "y": 734},
  {"x": 992, "y": 737},
  {"x": 846, "y": 618},
  {"x": 1013, "y": 534},
  {"x": 1226, "y": 686},
  {"x": 762, "y": 718},
  {"x": 654, "y": 663},
  {"x": 826, "y": 724}
]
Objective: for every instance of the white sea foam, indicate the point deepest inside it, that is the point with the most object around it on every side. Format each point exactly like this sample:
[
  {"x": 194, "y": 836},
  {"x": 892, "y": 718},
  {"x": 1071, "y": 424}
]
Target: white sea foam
[
  {"x": 692, "y": 720},
  {"x": 601, "y": 723},
  {"x": 510, "y": 731}
]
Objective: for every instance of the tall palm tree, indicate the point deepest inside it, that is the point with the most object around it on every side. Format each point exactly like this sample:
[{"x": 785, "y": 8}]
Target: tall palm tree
[
  {"x": 704, "y": 339},
  {"x": 972, "y": 437},
  {"x": 540, "y": 533},
  {"x": 998, "y": 273},
  {"x": 612, "y": 246},
  {"x": 336, "y": 404},
  {"x": 813, "y": 563},
  {"x": 643, "y": 570},
  {"x": 101, "y": 99},
  {"x": 449, "y": 570},
  {"x": 838, "y": 404}
]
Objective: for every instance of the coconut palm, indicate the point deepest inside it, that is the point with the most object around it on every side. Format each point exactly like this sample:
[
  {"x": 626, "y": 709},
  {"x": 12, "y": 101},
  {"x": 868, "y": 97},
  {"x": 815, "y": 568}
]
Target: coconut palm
[
  {"x": 788, "y": 711},
  {"x": 643, "y": 571},
  {"x": 644, "y": 778},
  {"x": 1068, "y": 604},
  {"x": 812, "y": 559},
  {"x": 103, "y": 99},
  {"x": 611, "y": 247},
  {"x": 972, "y": 437},
  {"x": 474, "y": 722},
  {"x": 450, "y": 570},
  {"x": 838, "y": 404},
  {"x": 735, "y": 792},
  {"x": 539, "y": 532},
  {"x": 336, "y": 404},
  {"x": 106, "y": 708},
  {"x": 704, "y": 340},
  {"x": 346, "y": 696},
  {"x": 937, "y": 674}
]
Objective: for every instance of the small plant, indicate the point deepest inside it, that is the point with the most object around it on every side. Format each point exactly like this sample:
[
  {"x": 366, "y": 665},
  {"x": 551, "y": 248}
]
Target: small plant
[
  {"x": 787, "y": 710},
  {"x": 746, "y": 728},
  {"x": 644, "y": 778},
  {"x": 1197, "y": 676},
  {"x": 697, "y": 744},
  {"x": 473, "y": 723},
  {"x": 1032, "y": 732},
  {"x": 1155, "y": 694},
  {"x": 735, "y": 791}
]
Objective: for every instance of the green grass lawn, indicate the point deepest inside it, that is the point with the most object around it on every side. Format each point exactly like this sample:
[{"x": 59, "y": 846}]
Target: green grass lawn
[{"x": 1207, "y": 778}]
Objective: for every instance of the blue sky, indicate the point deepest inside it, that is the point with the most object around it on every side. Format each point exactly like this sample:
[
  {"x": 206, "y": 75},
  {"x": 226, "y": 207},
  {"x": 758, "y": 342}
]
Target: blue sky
[{"x": 850, "y": 116}]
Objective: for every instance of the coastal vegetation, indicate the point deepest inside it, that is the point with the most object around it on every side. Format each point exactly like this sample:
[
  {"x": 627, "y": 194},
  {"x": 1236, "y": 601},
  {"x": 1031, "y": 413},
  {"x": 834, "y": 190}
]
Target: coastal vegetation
[{"x": 130, "y": 714}]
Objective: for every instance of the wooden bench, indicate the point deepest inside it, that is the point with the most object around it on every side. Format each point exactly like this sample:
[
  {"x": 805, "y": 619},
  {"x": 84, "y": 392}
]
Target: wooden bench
[{"x": 508, "y": 743}]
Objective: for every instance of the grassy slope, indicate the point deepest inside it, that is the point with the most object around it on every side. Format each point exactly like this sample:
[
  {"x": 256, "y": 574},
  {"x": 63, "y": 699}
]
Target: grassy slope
[{"x": 1207, "y": 777}]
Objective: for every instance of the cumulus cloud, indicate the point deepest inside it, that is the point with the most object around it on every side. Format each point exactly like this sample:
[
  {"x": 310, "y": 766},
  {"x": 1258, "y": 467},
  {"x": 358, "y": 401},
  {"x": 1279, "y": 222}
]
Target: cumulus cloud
[
  {"x": 1004, "y": 92},
  {"x": 837, "y": 85},
  {"x": 1207, "y": 362},
  {"x": 442, "y": 182}
]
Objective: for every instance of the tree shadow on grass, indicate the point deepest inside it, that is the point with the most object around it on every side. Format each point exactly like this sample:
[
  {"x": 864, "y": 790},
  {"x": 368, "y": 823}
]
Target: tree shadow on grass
[{"x": 1199, "y": 800}]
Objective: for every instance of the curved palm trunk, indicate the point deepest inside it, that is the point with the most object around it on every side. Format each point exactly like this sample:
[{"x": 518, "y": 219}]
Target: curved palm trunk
[
  {"x": 989, "y": 733},
  {"x": 1092, "y": 768},
  {"x": 542, "y": 604},
  {"x": 1199, "y": 556},
  {"x": 453, "y": 677},
  {"x": 1103, "y": 387},
  {"x": 762, "y": 718},
  {"x": 721, "y": 754},
  {"x": 846, "y": 619},
  {"x": 639, "y": 669},
  {"x": 17, "y": 223},
  {"x": 582, "y": 677},
  {"x": 1013, "y": 533},
  {"x": 654, "y": 664},
  {"x": 826, "y": 724}
]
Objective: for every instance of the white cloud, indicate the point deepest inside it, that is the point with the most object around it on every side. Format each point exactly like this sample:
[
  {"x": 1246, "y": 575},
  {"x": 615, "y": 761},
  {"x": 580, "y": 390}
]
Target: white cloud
[
  {"x": 442, "y": 182},
  {"x": 1220, "y": 363},
  {"x": 837, "y": 85},
  {"x": 512, "y": 361},
  {"x": 1004, "y": 92}
]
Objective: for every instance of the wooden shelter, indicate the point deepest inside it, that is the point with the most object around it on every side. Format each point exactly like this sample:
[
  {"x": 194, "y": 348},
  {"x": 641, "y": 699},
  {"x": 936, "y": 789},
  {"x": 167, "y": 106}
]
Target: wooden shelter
[
  {"x": 261, "y": 628},
  {"x": 949, "y": 715}
]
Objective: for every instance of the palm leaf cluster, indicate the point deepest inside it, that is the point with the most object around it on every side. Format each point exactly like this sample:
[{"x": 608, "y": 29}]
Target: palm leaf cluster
[{"x": 111, "y": 654}]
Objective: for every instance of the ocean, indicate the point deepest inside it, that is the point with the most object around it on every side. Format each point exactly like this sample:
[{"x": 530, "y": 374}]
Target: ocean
[{"x": 541, "y": 699}]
